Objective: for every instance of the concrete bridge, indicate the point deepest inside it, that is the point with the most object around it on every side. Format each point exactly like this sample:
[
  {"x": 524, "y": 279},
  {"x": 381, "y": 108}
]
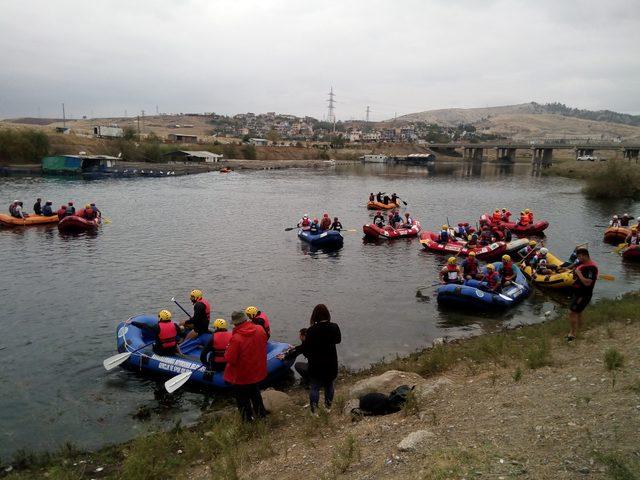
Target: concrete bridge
[{"x": 541, "y": 153}]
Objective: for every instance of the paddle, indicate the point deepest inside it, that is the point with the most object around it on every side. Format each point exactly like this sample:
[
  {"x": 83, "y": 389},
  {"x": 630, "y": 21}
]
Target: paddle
[
  {"x": 112, "y": 362},
  {"x": 405, "y": 203},
  {"x": 419, "y": 291},
  {"x": 176, "y": 382},
  {"x": 173, "y": 299},
  {"x": 610, "y": 278},
  {"x": 621, "y": 247},
  {"x": 288, "y": 229},
  {"x": 106, "y": 220}
]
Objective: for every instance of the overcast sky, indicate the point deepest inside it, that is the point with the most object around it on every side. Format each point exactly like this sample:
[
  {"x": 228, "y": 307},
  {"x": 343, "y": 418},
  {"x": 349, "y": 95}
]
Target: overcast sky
[{"x": 229, "y": 56}]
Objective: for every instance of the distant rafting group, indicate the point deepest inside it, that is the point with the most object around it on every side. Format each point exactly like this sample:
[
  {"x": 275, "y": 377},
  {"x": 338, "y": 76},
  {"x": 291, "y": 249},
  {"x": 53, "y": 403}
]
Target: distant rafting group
[
  {"x": 67, "y": 217},
  {"x": 626, "y": 236}
]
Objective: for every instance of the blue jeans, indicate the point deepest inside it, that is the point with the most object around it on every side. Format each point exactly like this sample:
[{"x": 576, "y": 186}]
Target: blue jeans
[{"x": 314, "y": 393}]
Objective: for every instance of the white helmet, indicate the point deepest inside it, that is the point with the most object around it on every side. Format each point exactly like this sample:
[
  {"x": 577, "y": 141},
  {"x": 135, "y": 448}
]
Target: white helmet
[
  {"x": 625, "y": 215},
  {"x": 544, "y": 251},
  {"x": 306, "y": 215}
]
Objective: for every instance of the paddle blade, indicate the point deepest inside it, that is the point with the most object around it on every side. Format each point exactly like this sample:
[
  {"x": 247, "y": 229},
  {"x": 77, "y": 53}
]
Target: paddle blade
[
  {"x": 176, "y": 382},
  {"x": 611, "y": 278},
  {"x": 112, "y": 362},
  {"x": 288, "y": 229}
]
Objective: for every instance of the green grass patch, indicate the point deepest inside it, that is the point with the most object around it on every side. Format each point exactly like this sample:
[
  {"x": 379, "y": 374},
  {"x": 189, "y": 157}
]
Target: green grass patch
[
  {"x": 613, "y": 359},
  {"x": 619, "y": 468}
]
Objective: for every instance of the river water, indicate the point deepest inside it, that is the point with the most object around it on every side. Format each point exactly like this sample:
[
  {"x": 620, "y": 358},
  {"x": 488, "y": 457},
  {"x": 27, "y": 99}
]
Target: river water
[{"x": 62, "y": 296}]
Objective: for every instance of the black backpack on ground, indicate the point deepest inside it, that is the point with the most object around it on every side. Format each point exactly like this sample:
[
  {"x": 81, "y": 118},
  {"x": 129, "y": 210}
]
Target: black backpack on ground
[{"x": 380, "y": 404}]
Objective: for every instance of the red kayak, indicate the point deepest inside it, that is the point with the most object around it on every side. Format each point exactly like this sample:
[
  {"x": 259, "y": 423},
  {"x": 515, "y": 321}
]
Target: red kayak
[
  {"x": 520, "y": 230},
  {"x": 373, "y": 231},
  {"x": 632, "y": 252},
  {"x": 74, "y": 223},
  {"x": 429, "y": 240}
]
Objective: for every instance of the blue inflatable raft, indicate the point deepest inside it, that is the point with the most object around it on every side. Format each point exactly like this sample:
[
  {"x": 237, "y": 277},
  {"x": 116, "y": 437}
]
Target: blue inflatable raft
[
  {"x": 131, "y": 338},
  {"x": 472, "y": 295},
  {"x": 326, "y": 239}
]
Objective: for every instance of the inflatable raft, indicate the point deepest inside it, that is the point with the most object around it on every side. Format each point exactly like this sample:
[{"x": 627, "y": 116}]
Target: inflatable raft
[
  {"x": 515, "y": 246},
  {"x": 10, "y": 221},
  {"x": 616, "y": 235},
  {"x": 632, "y": 252},
  {"x": 473, "y": 294},
  {"x": 429, "y": 241},
  {"x": 535, "y": 228},
  {"x": 73, "y": 223},
  {"x": 382, "y": 206},
  {"x": 562, "y": 279},
  {"x": 387, "y": 232},
  {"x": 326, "y": 239},
  {"x": 130, "y": 338}
]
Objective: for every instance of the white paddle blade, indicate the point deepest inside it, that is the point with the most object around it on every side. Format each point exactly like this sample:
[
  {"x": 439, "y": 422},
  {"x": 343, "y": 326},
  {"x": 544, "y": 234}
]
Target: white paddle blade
[
  {"x": 112, "y": 362},
  {"x": 173, "y": 299},
  {"x": 176, "y": 382}
]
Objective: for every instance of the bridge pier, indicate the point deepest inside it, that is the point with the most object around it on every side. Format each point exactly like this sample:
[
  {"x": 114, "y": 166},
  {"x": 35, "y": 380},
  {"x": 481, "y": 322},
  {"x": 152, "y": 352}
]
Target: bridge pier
[
  {"x": 584, "y": 151},
  {"x": 542, "y": 156},
  {"x": 474, "y": 154},
  {"x": 631, "y": 153},
  {"x": 507, "y": 154}
]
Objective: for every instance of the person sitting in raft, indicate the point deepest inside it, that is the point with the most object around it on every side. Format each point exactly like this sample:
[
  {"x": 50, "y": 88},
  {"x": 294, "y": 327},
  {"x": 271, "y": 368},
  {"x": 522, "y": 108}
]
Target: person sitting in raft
[
  {"x": 394, "y": 198},
  {"x": 166, "y": 334},
  {"x": 385, "y": 200},
  {"x": 62, "y": 212},
  {"x": 444, "y": 234},
  {"x": 12, "y": 206},
  {"x": 624, "y": 221},
  {"x": 529, "y": 214},
  {"x": 633, "y": 238},
  {"x": 212, "y": 354},
  {"x": 524, "y": 219},
  {"x": 451, "y": 273},
  {"x": 325, "y": 224},
  {"x": 472, "y": 240},
  {"x": 336, "y": 225},
  {"x": 47, "y": 210},
  {"x": 96, "y": 209},
  {"x": 37, "y": 207},
  {"x": 71, "y": 210},
  {"x": 199, "y": 322},
  {"x": 89, "y": 212},
  {"x": 397, "y": 220},
  {"x": 304, "y": 223},
  {"x": 408, "y": 221},
  {"x": 540, "y": 263},
  {"x": 372, "y": 197},
  {"x": 315, "y": 227},
  {"x": 378, "y": 219},
  {"x": 486, "y": 236},
  {"x": 615, "y": 221},
  {"x": 525, "y": 253},
  {"x": 259, "y": 318},
  {"x": 17, "y": 210},
  {"x": 505, "y": 215},
  {"x": 507, "y": 272},
  {"x": 496, "y": 217},
  {"x": 470, "y": 267},
  {"x": 491, "y": 280}
]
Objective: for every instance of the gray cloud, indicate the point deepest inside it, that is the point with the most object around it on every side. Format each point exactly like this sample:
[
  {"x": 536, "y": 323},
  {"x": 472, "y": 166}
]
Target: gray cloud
[{"x": 229, "y": 56}]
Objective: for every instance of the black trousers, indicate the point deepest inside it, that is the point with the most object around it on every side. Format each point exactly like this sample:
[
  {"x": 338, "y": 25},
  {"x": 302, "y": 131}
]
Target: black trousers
[{"x": 249, "y": 401}]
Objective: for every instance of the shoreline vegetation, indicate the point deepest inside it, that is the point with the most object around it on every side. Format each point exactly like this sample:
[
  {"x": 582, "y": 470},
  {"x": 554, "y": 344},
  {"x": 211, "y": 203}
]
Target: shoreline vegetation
[{"x": 519, "y": 403}]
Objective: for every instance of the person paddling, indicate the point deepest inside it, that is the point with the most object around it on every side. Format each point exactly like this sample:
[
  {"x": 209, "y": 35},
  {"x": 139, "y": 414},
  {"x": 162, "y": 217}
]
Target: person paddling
[
  {"x": 507, "y": 272},
  {"x": 199, "y": 322},
  {"x": 212, "y": 354},
  {"x": 305, "y": 223},
  {"x": 336, "y": 225},
  {"x": 378, "y": 219},
  {"x": 470, "y": 267},
  {"x": 491, "y": 280},
  {"x": 165, "y": 332},
  {"x": 633, "y": 238}
]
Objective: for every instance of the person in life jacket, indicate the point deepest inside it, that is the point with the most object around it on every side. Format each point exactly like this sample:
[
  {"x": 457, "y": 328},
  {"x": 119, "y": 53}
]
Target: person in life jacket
[
  {"x": 336, "y": 225},
  {"x": 17, "y": 211},
  {"x": 372, "y": 197},
  {"x": 37, "y": 207},
  {"x": 96, "y": 209},
  {"x": 259, "y": 318},
  {"x": 461, "y": 231},
  {"x": 396, "y": 221},
  {"x": 379, "y": 197},
  {"x": 199, "y": 322},
  {"x": 62, "y": 212},
  {"x": 507, "y": 272},
  {"x": 586, "y": 275},
  {"x": 212, "y": 354},
  {"x": 408, "y": 221},
  {"x": 472, "y": 240},
  {"x": 444, "y": 234},
  {"x": 71, "y": 210},
  {"x": 624, "y": 221},
  {"x": 633, "y": 238},
  {"x": 491, "y": 280},
  {"x": 315, "y": 227},
  {"x": 529, "y": 214},
  {"x": 496, "y": 217},
  {"x": 505, "y": 215},
  {"x": 47, "y": 210},
  {"x": 486, "y": 236},
  {"x": 325, "y": 224},
  {"x": 524, "y": 219},
  {"x": 540, "y": 263},
  {"x": 166, "y": 334},
  {"x": 525, "y": 253},
  {"x": 12, "y": 207},
  {"x": 88, "y": 213},
  {"x": 615, "y": 221},
  {"x": 470, "y": 267},
  {"x": 385, "y": 200},
  {"x": 451, "y": 273},
  {"x": 378, "y": 219},
  {"x": 394, "y": 198},
  {"x": 304, "y": 223}
]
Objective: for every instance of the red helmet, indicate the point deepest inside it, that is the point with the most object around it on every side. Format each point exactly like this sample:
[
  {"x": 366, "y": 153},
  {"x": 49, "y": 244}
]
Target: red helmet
[{"x": 326, "y": 215}]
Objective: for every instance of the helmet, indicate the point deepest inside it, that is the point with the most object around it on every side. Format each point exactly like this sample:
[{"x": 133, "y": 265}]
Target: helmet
[
  {"x": 474, "y": 236},
  {"x": 506, "y": 258},
  {"x": 407, "y": 215},
  {"x": 315, "y": 220},
  {"x": 615, "y": 217},
  {"x": 87, "y": 206},
  {"x": 444, "y": 227},
  {"x": 544, "y": 251},
  {"x": 625, "y": 215},
  {"x": 251, "y": 311},
  {"x": 634, "y": 229},
  {"x": 526, "y": 210},
  {"x": 472, "y": 254},
  {"x": 504, "y": 209},
  {"x": 164, "y": 315},
  {"x": 451, "y": 260},
  {"x": 306, "y": 215},
  {"x": 70, "y": 203},
  {"x": 326, "y": 215},
  {"x": 521, "y": 213},
  {"x": 220, "y": 323},
  {"x": 195, "y": 294},
  {"x": 497, "y": 211},
  {"x": 490, "y": 266},
  {"x": 532, "y": 243}
]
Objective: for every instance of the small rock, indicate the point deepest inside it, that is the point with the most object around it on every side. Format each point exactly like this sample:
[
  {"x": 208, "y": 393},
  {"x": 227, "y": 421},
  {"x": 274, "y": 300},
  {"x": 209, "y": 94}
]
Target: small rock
[
  {"x": 412, "y": 441},
  {"x": 179, "y": 452},
  {"x": 584, "y": 471},
  {"x": 275, "y": 401},
  {"x": 350, "y": 405},
  {"x": 385, "y": 383}
]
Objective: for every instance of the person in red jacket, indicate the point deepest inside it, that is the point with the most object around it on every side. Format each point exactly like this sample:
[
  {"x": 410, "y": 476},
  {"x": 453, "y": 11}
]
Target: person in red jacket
[
  {"x": 62, "y": 212},
  {"x": 325, "y": 223},
  {"x": 259, "y": 318},
  {"x": 218, "y": 346},
  {"x": 246, "y": 358}
]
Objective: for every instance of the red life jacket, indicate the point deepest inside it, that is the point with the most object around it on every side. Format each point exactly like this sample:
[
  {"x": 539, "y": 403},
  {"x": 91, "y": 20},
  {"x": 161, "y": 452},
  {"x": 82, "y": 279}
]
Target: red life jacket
[
  {"x": 471, "y": 266},
  {"x": 207, "y": 308},
  {"x": 451, "y": 273},
  {"x": 505, "y": 216},
  {"x": 496, "y": 216},
  {"x": 220, "y": 342},
  {"x": 524, "y": 219},
  {"x": 325, "y": 224},
  {"x": 507, "y": 270},
  {"x": 492, "y": 279},
  {"x": 305, "y": 222},
  {"x": 167, "y": 335},
  {"x": 262, "y": 320},
  {"x": 530, "y": 215}
]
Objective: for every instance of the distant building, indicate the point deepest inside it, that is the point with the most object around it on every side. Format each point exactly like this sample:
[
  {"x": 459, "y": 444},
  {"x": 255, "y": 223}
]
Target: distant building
[
  {"x": 259, "y": 142},
  {"x": 63, "y": 130},
  {"x": 111, "y": 131},
  {"x": 77, "y": 164},
  {"x": 182, "y": 138},
  {"x": 374, "y": 158},
  {"x": 193, "y": 156}
]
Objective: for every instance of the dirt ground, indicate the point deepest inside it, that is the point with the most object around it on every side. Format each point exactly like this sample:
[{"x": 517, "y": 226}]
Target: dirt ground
[{"x": 558, "y": 422}]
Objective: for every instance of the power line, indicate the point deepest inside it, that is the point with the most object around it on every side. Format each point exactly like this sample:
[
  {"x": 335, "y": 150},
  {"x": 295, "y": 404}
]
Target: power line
[
  {"x": 331, "y": 117},
  {"x": 368, "y": 111}
]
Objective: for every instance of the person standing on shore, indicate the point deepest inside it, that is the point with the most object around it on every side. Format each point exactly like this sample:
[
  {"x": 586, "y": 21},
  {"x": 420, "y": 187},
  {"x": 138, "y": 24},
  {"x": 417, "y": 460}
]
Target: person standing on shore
[
  {"x": 246, "y": 358},
  {"x": 585, "y": 274}
]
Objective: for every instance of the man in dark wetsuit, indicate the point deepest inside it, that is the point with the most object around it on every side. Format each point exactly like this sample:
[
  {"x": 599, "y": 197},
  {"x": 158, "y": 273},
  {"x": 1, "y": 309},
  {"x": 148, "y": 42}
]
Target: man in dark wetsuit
[
  {"x": 199, "y": 322},
  {"x": 585, "y": 274},
  {"x": 379, "y": 197},
  {"x": 37, "y": 207}
]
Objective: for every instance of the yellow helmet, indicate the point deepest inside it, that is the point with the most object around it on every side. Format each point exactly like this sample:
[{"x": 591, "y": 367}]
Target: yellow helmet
[
  {"x": 87, "y": 206},
  {"x": 506, "y": 258},
  {"x": 451, "y": 260},
  {"x": 444, "y": 227},
  {"x": 195, "y": 294},
  {"x": 497, "y": 211},
  {"x": 472, "y": 254},
  {"x": 220, "y": 323},
  {"x": 491, "y": 267},
  {"x": 164, "y": 316},
  {"x": 526, "y": 210},
  {"x": 469, "y": 237},
  {"x": 251, "y": 311},
  {"x": 532, "y": 243},
  {"x": 634, "y": 229}
]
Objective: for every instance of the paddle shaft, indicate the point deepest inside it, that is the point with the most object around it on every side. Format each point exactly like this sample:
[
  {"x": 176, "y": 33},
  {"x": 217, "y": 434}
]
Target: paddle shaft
[{"x": 181, "y": 308}]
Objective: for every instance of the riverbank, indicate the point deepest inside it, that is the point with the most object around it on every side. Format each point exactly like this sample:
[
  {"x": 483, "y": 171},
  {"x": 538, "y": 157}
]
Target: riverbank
[
  {"x": 515, "y": 404},
  {"x": 611, "y": 179}
]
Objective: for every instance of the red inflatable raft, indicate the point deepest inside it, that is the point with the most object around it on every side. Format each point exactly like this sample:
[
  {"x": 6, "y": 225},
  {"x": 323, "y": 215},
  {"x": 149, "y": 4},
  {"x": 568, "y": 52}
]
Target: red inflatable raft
[
  {"x": 520, "y": 230},
  {"x": 373, "y": 231},
  {"x": 616, "y": 235},
  {"x": 429, "y": 240},
  {"x": 74, "y": 223},
  {"x": 632, "y": 252}
]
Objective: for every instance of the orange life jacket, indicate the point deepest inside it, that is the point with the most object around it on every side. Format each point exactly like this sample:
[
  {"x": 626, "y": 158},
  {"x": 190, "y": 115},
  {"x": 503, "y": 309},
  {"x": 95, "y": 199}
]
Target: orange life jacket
[{"x": 207, "y": 308}]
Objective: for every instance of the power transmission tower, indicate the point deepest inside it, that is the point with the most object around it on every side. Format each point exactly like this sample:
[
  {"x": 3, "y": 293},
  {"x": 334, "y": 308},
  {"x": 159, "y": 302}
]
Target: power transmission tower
[
  {"x": 331, "y": 117},
  {"x": 143, "y": 120},
  {"x": 368, "y": 111}
]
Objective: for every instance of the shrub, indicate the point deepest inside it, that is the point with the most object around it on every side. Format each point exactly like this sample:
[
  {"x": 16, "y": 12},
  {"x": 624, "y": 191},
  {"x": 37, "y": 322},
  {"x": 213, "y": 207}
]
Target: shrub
[
  {"x": 617, "y": 180},
  {"x": 23, "y": 145},
  {"x": 613, "y": 359}
]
